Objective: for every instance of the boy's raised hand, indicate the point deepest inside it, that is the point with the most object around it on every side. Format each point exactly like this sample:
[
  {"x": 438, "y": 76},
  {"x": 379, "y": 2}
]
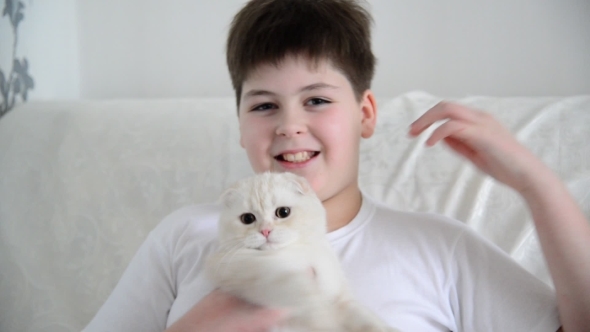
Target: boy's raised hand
[
  {"x": 481, "y": 139},
  {"x": 562, "y": 227}
]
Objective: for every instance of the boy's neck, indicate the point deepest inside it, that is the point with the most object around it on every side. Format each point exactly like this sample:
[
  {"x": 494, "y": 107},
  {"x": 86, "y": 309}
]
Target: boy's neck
[{"x": 342, "y": 208}]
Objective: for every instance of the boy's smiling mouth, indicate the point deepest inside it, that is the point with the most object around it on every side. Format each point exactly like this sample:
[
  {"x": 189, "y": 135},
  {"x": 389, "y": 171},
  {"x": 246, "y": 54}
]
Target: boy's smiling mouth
[{"x": 296, "y": 157}]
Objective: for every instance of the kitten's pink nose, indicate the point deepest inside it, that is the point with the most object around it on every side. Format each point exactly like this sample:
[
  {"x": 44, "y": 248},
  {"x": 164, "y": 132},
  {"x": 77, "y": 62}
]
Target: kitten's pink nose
[{"x": 265, "y": 232}]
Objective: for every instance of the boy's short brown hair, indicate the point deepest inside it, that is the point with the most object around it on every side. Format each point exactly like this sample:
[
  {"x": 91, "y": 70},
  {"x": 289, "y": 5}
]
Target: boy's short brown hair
[{"x": 266, "y": 31}]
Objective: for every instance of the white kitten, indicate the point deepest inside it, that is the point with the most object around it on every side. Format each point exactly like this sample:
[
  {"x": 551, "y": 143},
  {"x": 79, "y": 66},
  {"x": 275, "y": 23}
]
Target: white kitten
[{"x": 274, "y": 253}]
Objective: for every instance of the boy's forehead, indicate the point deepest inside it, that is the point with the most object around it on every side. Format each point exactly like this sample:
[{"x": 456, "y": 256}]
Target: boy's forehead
[{"x": 319, "y": 66}]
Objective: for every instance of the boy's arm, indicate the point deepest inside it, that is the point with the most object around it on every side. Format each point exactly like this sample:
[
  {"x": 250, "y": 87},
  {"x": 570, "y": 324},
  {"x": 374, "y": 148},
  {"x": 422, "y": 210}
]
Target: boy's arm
[
  {"x": 564, "y": 235},
  {"x": 564, "y": 232}
]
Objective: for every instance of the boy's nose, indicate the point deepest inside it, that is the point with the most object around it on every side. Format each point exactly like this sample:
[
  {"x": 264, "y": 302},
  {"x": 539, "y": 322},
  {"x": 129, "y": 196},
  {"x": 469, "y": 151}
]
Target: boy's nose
[
  {"x": 291, "y": 126},
  {"x": 289, "y": 132}
]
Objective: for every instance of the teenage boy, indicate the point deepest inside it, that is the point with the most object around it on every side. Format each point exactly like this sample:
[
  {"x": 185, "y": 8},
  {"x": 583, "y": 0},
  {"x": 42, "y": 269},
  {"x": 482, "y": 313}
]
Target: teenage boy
[{"x": 301, "y": 70}]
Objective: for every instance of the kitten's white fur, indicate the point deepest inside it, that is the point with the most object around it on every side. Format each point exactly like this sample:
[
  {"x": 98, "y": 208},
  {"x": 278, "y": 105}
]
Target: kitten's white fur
[{"x": 295, "y": 267}]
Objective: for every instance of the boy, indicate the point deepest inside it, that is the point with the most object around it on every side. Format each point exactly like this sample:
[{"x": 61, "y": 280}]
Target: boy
[{"x": 301, "y": 70}]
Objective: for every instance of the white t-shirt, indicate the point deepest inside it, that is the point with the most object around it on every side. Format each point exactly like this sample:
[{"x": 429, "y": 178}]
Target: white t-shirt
[{"x": 419, "y": 272}]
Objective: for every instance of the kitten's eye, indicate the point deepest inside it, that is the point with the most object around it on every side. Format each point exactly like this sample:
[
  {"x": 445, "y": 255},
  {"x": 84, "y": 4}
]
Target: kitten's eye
[
  {"x": 283, "y": 212},
  {"x": 247, "y": 218}
]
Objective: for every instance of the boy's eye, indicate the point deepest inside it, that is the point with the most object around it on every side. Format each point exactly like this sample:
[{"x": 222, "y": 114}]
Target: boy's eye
[
  {"x": 264, "y": 107},
  {"x": 317, "y": 101}
]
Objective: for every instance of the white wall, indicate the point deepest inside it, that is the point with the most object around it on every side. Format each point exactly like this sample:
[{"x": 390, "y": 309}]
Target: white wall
[
  {"x": 502, "y": 47},
  {"x": 48, "y": 38},
  {"x": 154, "y": 48},
  {"x": 175, "y": 48}
]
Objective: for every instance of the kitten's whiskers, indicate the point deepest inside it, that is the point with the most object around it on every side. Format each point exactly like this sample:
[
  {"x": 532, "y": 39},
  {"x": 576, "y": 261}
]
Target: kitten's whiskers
[{"x": 234, "y": 247}]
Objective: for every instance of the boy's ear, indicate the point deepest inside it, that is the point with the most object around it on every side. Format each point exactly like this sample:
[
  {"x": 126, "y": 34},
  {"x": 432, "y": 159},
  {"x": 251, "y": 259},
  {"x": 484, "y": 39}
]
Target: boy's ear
[{"x": 368, "y": 114}]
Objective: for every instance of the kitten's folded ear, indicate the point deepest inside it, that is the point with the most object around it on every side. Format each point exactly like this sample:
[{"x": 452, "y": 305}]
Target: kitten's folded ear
[
  {"x": 229, "y": 196},
  {"x": 300, "y": 184}
]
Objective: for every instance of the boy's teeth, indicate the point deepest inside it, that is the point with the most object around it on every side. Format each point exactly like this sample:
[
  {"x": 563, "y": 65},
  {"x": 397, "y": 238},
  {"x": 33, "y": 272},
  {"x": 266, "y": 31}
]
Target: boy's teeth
[{"x": 297, "y": 157}]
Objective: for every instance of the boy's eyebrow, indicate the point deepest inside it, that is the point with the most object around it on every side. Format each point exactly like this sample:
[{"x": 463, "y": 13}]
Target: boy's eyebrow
[
  {"x": 317, "y": 86},
  {"x": 311, "y": 87}
]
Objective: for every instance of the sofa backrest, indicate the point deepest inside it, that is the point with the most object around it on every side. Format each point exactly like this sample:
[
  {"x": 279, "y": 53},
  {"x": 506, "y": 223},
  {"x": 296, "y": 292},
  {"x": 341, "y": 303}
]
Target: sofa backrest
[{"x": 82, "y": 183}]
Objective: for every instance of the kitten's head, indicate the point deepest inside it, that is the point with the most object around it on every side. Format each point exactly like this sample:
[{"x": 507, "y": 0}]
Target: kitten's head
[{"x": 270, "y": 211}]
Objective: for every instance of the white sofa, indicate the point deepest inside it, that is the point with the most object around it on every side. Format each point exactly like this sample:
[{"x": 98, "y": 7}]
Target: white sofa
[{"x": 82, "y": 183}]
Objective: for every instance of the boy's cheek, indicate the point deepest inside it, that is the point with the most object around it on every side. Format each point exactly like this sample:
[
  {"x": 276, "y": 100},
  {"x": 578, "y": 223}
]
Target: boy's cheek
[
  {"x": 247, "y": 136},
  {"x": 258, "y": 161}
]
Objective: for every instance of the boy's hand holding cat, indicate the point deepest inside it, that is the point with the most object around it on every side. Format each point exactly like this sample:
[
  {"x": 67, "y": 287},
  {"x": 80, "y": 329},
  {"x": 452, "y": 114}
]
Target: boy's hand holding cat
[
  {"x": 221, "y": 312},
  {"x": 485, "y": 142}
]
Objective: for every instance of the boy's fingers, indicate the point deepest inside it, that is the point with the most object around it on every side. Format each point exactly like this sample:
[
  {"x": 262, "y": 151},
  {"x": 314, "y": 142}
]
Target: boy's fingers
[
  {"x": 460, "y": 148},
  {"x": 452, "y": 128},
  {"x": 441, "y": 111},
  {"x": 466, "y": 152}
]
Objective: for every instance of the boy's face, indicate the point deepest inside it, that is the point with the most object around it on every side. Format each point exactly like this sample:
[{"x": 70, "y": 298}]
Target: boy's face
[{"x": 305, "y": 119}]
